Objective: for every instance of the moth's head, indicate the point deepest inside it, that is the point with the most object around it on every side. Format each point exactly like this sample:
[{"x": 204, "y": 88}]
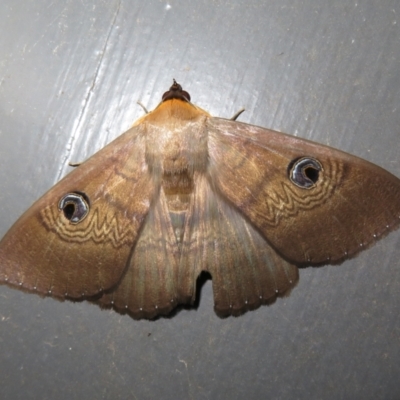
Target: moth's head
[
  {"x": 176, "y": 92},
  {"x": 175, "y": 106}
]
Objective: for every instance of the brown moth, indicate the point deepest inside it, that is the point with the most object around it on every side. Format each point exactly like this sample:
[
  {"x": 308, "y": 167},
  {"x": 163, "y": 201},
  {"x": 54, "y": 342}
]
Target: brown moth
[{"x": 182, "y": 192}]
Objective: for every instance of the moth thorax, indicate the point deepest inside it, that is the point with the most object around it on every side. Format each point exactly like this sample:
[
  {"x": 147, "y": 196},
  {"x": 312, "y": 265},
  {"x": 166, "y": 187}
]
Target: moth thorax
[
  {"x": 177, "y": 183},
  {"x": 177, "y": 177}
]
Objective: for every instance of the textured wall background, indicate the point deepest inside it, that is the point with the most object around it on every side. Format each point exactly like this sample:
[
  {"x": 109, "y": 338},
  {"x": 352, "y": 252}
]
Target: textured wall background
[{"x": 70, "y": 75}]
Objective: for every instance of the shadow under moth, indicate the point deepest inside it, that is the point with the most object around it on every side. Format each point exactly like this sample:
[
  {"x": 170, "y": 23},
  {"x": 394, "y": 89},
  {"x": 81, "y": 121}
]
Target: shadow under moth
[{"x": 183, "y": 192}]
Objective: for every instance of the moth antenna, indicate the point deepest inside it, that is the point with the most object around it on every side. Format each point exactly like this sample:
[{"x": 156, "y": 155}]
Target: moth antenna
[
  {"x": 237, "y": 114},
  {"x": 144, "y": 108}
]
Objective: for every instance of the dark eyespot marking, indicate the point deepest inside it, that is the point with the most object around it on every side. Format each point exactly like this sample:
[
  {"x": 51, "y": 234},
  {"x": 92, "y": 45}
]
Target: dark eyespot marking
[
  {"x": 75, "y": 206},
  {"x": 305, "y": 172}
]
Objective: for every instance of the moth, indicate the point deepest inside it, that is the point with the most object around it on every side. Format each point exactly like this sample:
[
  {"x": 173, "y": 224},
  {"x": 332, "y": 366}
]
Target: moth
[{"x": 183, "y": 192}]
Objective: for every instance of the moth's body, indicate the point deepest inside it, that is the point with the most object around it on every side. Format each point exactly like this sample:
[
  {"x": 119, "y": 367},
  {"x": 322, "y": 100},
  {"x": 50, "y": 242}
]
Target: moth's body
[
  {"x": 182, "y": 192},
  {"x": 176, "y": 150}
]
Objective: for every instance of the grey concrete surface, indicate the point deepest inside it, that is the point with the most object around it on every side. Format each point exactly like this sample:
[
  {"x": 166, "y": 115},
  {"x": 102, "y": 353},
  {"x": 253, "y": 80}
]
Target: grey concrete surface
[{"x": 70, "y": 75}]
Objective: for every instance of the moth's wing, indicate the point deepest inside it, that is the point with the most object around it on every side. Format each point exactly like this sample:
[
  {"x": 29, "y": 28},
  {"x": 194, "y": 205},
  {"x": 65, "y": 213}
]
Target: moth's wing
[
  {"x": 246, "y": 272},
  {"x": 149, "y": 285},
  {"x": 46, "y": 253},
  {"x": 351, "y": 205}
]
